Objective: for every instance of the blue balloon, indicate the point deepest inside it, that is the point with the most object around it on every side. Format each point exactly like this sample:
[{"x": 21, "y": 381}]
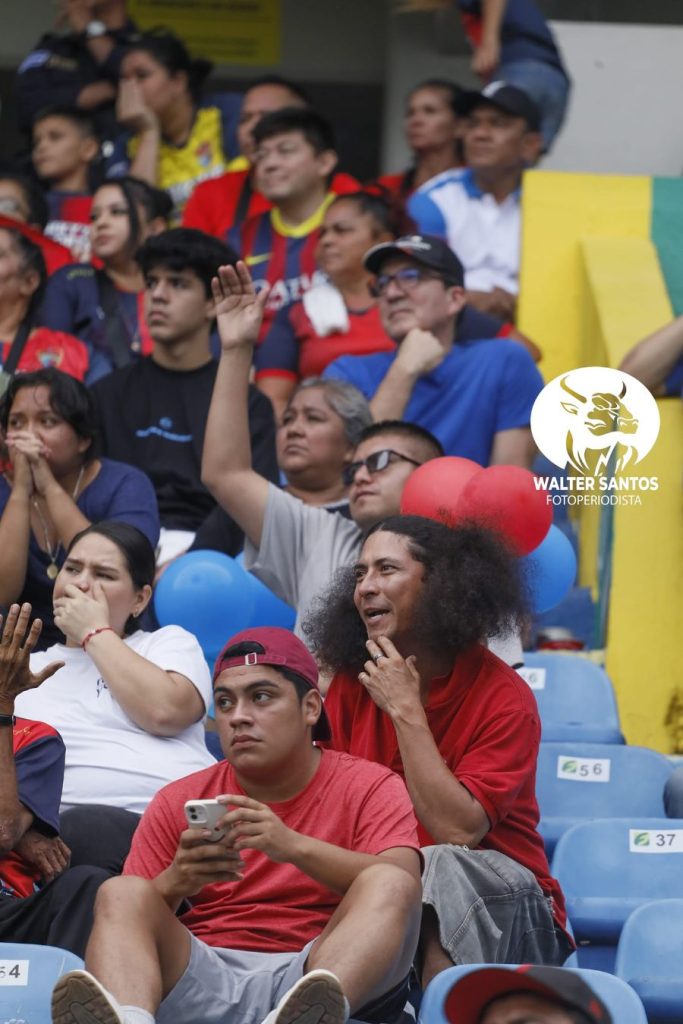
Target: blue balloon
[
  {"x": 269, "y": 609},
  {"x": 550, "y": 570},
  {"x": 205, "y": 592}
]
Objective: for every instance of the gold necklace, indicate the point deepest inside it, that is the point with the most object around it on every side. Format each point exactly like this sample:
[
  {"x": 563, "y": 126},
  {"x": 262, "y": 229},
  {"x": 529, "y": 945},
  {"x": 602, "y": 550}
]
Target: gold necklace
[{"x": 53, "y": 569}]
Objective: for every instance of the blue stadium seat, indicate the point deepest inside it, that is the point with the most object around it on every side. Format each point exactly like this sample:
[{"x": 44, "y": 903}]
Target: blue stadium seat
[
  {"x": 575, "y": 698},
  {"x": 213, "y": 744},
  {"x": 579, "y": 781},
  {"x": 621, "y": 1001},
  {"x": 650, "y": 958},
  {"x": 609, "y": 868},
  {"x": 27, "y": 976}
]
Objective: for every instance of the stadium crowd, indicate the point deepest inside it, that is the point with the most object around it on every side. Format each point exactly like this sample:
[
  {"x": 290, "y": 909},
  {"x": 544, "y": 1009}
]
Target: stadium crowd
[{"x": 213, "y": 337}]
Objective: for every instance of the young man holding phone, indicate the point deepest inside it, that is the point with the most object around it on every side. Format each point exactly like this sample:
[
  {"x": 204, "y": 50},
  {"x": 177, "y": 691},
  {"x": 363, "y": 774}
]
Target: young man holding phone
[{"x": 307, "y": 909}]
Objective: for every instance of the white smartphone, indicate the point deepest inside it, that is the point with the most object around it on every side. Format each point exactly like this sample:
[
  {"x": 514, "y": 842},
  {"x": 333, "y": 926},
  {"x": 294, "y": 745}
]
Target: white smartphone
[{"x": 205, "y": 814}]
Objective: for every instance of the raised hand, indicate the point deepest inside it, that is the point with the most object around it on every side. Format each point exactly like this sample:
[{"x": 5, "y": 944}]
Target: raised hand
[
  {"x": 392, "y": 681},
  {"x": 238, "y": 307},
  {"x": 131, "y": 110},
  {"x": 77, "y": 613},
  {"x": 15, "y": 650}
]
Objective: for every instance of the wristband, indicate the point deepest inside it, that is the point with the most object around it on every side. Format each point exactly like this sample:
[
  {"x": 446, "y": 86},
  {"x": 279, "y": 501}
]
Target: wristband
[
  {"x": 7, "y": 720},
  {"x": 94, "y": 632}
]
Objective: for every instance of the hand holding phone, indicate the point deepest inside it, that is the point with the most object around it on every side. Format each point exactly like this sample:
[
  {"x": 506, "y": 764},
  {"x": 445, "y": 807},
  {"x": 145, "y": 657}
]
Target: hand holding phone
[{"x": 204, "y": 814}]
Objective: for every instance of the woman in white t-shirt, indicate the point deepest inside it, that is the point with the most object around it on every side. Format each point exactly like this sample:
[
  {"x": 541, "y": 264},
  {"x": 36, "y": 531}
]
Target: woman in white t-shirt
[{"x": 129, "y": 704}]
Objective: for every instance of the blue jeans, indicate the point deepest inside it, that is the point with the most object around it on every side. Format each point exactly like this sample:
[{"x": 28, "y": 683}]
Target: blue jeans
[
  {"x": 547, "y": 86},
  {"x": 490, "y": 909}
]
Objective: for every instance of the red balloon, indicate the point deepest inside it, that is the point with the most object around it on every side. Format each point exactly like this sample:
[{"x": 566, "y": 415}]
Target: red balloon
[
  {"x": 506, "y": 499},
  {"x": 435, "y": 488}
]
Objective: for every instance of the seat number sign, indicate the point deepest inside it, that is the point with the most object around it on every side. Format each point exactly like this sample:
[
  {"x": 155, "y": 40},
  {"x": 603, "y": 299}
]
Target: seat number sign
[
  {"x": 13, "y": 972},
  {"x": 650, "y": 840},
  {"x": 583, "y": 769}
]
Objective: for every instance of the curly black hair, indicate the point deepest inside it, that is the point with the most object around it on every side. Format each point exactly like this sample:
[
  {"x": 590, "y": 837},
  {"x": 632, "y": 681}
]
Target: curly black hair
[{"x": 473, "y": 589}]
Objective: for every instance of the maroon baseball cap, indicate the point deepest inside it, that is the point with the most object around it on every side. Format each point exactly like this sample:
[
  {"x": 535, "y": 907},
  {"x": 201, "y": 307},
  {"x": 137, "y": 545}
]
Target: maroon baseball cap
[
  {"x": 472, "y": 993},
  {"x": 280, "y": 649}
]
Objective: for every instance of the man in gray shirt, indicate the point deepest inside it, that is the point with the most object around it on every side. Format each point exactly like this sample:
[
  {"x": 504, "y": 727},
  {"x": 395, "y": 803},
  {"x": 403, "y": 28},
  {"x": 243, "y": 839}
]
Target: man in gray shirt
[{"x": 294, "y": 548}]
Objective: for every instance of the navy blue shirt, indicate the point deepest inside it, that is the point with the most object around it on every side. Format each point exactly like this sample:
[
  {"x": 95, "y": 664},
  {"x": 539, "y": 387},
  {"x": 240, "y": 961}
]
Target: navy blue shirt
[{"x": 118, "y": 492}]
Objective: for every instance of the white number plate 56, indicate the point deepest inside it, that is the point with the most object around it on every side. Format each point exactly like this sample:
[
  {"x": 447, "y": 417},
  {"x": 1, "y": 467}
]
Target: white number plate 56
[
  {"x": 583, "y": 769},
  {"x": 13, "y": 972}
]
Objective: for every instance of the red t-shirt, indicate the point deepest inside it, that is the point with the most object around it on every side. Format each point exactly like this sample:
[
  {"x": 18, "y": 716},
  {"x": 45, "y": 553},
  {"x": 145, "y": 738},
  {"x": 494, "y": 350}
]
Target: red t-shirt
[
  {"x": 292, "y": 348},
  {"x": 214, "y": 203},
  {"x": 46, "y": 347},
  {"x": 276, "y": 908},
  {"x": 485, "y": 722}
]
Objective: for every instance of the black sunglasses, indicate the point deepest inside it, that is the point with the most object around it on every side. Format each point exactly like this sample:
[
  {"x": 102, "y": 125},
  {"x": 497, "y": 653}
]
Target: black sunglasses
[{"x": 374, "y": 463}]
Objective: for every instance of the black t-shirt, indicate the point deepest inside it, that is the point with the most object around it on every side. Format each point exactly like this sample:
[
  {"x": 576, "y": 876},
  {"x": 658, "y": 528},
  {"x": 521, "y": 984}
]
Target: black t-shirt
[{"x": 155, "y": 419}]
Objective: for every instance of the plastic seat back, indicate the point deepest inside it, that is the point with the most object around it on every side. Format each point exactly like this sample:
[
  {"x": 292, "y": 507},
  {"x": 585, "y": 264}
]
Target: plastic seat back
[
  {"x": 27, "y": 976},
  {"x": 579, "y": 781},
  {"x": 650, "y": 958},
  {"x": 621, "y": 1000},
  {"x": 609, "y": 868},
  {"x": 575, "y": 698}
]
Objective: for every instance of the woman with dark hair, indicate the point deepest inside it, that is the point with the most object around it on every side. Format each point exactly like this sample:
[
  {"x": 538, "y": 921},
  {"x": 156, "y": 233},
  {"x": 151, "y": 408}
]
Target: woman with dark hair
[
  {"x": 177, "y": 140},
  {"x": 128, "y": 704},
  {"x": 56, "y": 485},
  {"x": 415, "y": 689},
  {"x": 338, "y": 317},
  {"x": 433, "y": 133},
  {"x": 23, "y": 278},
  {"x": 105, "y": 307}
]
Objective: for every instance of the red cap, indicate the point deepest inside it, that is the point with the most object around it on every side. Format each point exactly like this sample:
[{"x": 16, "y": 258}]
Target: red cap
[
  {"x": 279, "y": 649},
  {"x": 472, "y": 993}
]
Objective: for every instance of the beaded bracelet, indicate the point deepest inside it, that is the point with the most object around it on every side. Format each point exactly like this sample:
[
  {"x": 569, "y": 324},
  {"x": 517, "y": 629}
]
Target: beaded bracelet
[{"x": 94, "y": 632}]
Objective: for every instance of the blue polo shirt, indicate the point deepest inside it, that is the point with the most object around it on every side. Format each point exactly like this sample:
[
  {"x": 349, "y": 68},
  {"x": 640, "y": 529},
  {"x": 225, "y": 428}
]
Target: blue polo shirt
[{"x": 480, "y": 388}]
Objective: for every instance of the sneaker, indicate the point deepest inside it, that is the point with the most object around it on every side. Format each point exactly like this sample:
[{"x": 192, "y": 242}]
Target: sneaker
[
  {"x": 78, "y": 998},
  {"x": 317, "y": 998}
]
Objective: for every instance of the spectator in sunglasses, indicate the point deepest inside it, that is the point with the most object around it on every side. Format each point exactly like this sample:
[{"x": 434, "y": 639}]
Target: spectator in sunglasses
[{"x": 295, "y": 548}]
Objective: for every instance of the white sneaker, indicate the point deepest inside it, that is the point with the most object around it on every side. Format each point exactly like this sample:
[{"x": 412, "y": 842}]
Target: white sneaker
[
  {"x": 78, "y": 998},
  {"x": 317, "y": 998}
]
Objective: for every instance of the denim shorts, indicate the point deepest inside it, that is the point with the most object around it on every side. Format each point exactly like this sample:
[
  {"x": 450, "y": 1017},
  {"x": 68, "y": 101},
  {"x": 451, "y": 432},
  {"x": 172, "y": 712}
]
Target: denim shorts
[
  {"x": 547, "y": 86},
  {"x": 490, "y": 908}
]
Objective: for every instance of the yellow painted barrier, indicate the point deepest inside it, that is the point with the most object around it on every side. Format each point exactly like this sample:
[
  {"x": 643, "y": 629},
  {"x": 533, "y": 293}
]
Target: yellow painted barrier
[{"x": 591, "y": 287}]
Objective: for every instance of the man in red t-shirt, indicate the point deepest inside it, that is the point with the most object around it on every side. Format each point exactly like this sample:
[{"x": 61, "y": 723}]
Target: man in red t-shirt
[
  {"x": 308, "y": 906},
  {"x": 462, "y": 727}
]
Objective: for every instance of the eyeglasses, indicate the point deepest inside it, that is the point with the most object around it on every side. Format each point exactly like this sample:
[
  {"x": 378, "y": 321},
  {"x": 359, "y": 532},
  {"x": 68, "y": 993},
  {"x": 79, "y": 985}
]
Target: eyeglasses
[
  {"x": 374, "y": 463},
  {"x": 407, "y": 279}
]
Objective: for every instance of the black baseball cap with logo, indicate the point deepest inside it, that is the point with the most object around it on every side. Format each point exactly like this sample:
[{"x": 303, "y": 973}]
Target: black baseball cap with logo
[
  {"x": 427, "y": 250},
  {"x": 507, "y": 98},
  {"x": 471, "y": 994}
]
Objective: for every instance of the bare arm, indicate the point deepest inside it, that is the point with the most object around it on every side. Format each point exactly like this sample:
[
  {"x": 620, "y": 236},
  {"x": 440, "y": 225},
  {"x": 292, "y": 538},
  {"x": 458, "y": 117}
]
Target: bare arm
[
  {"x": 418, "y": 354},
  {"x": 486, "y": 57},
  {"x": 133, "y": 114},
  {"x": 15, "y": 532},
  {"x": 226, "y": 464},
  {"x": 443, "y": 805},
  {"x": 653, "y": 358},
  {"x": 163, "y": 703},
  {"x": 279, "y": 390},
  {"x": 15, "y": 678},
  {"x": 513, "y": 447}
]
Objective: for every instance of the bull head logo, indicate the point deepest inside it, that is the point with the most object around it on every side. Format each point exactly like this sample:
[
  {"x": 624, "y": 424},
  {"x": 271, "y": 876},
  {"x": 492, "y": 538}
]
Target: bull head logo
[{"x": 600, "y": 433}]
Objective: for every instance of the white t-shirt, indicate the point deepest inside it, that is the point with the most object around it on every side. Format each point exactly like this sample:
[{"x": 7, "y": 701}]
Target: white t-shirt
[{"x": 109, "y": 759}]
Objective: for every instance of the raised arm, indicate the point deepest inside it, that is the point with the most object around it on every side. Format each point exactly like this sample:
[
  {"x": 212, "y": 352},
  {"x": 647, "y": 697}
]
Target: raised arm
[
  {"x": 418, "y": 354},
  {"x": 226, "y": 465},
  {"x": 486, "y": 57},
  {"x": 134, "y": 114}
]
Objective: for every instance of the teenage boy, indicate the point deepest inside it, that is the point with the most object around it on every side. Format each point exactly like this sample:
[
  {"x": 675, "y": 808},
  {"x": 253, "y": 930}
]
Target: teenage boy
[
  {"x": 153, "y": 412},
  {"x": 65, "y": 146},
  {"x": 307, "y": 909},
  {"x": 294, "y": 161}
]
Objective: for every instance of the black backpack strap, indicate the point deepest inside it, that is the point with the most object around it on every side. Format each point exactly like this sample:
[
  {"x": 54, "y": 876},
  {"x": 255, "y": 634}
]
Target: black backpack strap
[
  {"x": 17, "y": 347},
  {"x": 115, "y": 330}
]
